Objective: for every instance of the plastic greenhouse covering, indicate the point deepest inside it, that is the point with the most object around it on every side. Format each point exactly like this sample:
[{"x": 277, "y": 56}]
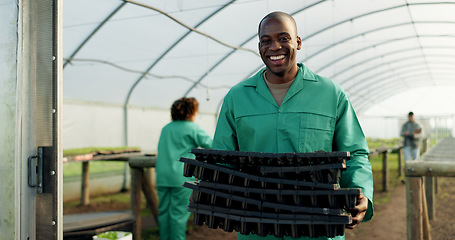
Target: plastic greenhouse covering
[{"x": 129, "y": 60}]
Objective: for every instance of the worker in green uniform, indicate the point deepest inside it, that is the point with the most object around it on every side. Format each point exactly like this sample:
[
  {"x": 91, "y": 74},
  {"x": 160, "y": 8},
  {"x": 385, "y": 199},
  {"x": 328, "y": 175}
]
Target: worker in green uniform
[
  {"x": 286, "y": 107},
  {"x": 176, "y": 140}
]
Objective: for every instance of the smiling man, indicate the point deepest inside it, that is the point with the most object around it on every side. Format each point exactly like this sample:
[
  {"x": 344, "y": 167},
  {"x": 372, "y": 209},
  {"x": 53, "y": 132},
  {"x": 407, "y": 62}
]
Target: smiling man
[{"x": 286, "y": 107}]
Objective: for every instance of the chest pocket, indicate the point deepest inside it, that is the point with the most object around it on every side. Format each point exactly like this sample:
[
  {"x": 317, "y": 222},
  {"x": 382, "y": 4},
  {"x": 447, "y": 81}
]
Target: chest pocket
[{"x": 316, "y": 133}]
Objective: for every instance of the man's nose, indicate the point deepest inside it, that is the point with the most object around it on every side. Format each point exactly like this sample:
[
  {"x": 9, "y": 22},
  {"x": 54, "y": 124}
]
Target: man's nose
[{"x": 275, "y": 45}]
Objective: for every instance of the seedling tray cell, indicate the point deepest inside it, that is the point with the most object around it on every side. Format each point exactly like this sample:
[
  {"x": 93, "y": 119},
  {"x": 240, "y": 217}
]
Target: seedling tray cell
[
  {"x": 209, "y": 196},
  {"x": 264, "y": 226},
  {"x": 339, "y": 198},
  {"x": 205, "y": 171}
]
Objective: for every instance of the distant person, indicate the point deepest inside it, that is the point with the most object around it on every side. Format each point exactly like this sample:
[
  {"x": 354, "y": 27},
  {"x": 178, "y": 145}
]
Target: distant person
[
  {"x": 176, "y": 140},
  {"x": 410, "y": 131}
]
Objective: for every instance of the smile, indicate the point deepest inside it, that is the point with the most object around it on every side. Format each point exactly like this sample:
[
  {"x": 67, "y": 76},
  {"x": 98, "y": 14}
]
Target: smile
[{"x": 274, "y": 58}]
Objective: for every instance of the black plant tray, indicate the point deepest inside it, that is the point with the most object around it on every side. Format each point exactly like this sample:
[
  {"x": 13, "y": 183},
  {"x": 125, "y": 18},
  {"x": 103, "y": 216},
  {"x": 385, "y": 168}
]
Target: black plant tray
[
  {"x": 263, "y": 224},
  {"x": 340, "y": 198},
  {"x": 303, "y": 218},
  {"x": 223, "y": 199},
  {"x": 226, "y": 175},
  {"x": 269, "y": 159}
]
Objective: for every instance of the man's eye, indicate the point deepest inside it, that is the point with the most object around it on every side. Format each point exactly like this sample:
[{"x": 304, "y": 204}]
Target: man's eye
[
  {"x": 265, "y": 41},
  {"x": 285, "y": 39}
]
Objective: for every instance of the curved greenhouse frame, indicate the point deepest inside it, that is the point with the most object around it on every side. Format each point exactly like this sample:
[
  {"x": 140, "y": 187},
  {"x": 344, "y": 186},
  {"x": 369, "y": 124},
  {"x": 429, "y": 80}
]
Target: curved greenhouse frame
[{"x": 145, "y": 54}]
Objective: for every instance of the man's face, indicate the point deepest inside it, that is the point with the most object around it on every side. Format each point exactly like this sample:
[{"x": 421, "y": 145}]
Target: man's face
[
  {"x": 411, "y": 118},
  {"x": 278, "y": 45}
]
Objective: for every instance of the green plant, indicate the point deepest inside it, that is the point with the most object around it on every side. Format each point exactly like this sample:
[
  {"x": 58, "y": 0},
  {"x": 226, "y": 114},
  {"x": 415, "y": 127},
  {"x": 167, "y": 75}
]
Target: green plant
[
  {"x": 108, "y": 235},
  {"x": 111, "y": 235},
  {"x": 81, "y": 151}
]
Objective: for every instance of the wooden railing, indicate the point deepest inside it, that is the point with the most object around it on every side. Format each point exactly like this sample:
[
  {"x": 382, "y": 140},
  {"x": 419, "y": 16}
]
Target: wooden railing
[
  {"x": 384, "y": 151},
  {"x": 421, "y": 185},
  {"x": 116, "y": 156},
  {"x": 142, "y": 181}
]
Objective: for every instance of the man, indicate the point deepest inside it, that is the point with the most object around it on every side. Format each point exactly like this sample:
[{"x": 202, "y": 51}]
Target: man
[
  {"x": 287, "y": 108},
  {"x": 410, "y": 131}
]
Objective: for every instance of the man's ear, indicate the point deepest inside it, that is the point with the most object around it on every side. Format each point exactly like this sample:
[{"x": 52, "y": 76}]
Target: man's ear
[{"x": 299, "y": 43}]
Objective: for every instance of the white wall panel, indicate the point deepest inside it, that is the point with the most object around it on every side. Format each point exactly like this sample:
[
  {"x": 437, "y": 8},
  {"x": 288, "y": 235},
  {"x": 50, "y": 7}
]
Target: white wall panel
[{"x": 88, "y": 124}]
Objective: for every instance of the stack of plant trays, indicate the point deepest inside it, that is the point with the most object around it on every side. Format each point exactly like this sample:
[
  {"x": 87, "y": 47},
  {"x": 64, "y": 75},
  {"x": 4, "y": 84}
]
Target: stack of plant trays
[{"x": 280, "y": 194}]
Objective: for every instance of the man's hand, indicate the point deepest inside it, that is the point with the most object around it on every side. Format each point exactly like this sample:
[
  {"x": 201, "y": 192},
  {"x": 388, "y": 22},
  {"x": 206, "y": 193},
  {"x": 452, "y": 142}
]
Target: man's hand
[{"x": 358, "y": 213}]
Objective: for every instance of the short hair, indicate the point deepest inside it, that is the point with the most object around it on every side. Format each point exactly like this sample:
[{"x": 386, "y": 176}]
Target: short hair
[
  {"x": 410, "y": 114},
  {"x": 277, "y": 14},
  {"x": 184, "y": 108}
]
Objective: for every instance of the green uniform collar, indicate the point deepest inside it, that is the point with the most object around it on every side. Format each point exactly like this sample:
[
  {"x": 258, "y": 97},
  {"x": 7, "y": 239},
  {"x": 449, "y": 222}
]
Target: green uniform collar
[{"x": 303, "y": 75}]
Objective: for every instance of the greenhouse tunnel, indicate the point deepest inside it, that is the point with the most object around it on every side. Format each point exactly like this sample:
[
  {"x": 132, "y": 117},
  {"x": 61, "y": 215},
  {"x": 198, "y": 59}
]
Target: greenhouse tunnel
[{"x": 125, "y": 62}]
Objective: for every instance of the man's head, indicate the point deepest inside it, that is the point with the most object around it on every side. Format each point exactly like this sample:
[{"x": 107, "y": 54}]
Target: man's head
[
  {"x": 279, "y": 43},
  {"x": 411, "y": 116}
]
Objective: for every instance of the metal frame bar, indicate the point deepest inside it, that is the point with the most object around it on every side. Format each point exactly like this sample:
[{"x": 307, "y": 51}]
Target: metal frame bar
[
  {"x": 376, "y": 78},
  {"x": 387, "y": 54},
  {"x": 93, "y": 33},
  {"x": 360, "y": 95},
  {"x": 377, "y": 29},
  {"x": 344, "y": 40},
  {"x": 377, "y": 66},
  {"x": 393, "y": 80},
  {"x": 371, "y": 13},
  {"x": 387, "y": 92},
  {"x": 125, "y": 106},
  {"x": 192, "y": 29}
]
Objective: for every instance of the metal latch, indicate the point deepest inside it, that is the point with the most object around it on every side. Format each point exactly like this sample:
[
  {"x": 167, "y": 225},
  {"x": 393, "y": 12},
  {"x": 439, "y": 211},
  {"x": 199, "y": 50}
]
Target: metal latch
[{"x": 35, "y": 171}]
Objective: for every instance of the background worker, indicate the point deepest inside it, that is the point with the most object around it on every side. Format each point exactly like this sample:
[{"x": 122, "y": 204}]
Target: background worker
[
  {"x": 410, "y": 131},
  {"x": 176, "y": 140},
  {"x": 287, "y": 108}
]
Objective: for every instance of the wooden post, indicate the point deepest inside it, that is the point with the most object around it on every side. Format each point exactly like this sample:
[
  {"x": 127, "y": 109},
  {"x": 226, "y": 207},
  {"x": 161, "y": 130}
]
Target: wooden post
[
  {"x": 425, "y": 219},
  {"x": 136, "y": 175},
  {"x": 413, "y": 208},
  {"x": 400, "y": 162},
  {"x": 150, "y": 195},
  {"x": 85, "y": 190},
  {"x": 149, "y": 173},
  {"x": 429, "y": 194},
  {"x": 417, "y": 220},
  {"x": 427, "y": 144},
  {"x": 138, "y": 182},
  {"x": 385, "y": 171},
  {"x": 436, "y": 185}
]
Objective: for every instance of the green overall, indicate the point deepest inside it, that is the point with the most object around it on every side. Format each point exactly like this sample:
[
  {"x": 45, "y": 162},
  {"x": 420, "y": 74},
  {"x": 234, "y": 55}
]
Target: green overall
[
  {"x": 315, "y": 115},
  {"x": 176, "y": 140}
]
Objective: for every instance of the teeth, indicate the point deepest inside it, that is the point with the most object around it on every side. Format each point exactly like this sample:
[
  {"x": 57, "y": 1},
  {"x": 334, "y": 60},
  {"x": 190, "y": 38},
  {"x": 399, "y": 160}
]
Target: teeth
[{"x": 276, "y": 57}]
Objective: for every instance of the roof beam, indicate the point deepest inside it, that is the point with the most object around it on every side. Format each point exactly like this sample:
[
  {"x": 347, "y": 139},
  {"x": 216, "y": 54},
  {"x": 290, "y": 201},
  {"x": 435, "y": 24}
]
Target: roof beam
[
  {"x": 386, "y": 92},
  {"x": 93, "y": 33},
  {"x": 381, "y": 75},
  {"x": 401, "y": 76},
  {"x": 127, "y": 100},
  {"x": 374, "y": 30}
]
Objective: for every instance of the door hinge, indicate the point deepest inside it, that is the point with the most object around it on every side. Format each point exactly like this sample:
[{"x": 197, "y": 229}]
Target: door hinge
[{"x": 35, "y": 171}]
